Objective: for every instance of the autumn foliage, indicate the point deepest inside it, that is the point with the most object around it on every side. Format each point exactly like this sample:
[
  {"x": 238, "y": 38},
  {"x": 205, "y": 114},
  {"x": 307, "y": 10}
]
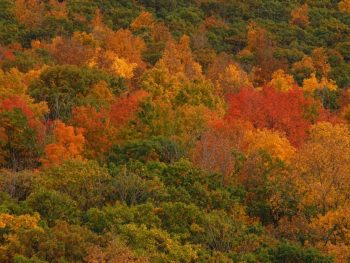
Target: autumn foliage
[
  {"x": 68, "y": 144},
  {"x": 97, "y": 129},
  {"x": 124, "y": 109},
  {"x": 271, "y": 109},
  {"x": 174, "y": 131}
]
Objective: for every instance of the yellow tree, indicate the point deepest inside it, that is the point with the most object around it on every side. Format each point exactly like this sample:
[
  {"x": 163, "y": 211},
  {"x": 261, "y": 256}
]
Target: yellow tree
[
  {"x": 126, "y": 46},
  {"x": 317, "y": 63},
  {"x": 323, "y": 167},
  {"x": 11, "y": 83},
  {"x": 14, "y": 83},
  {"x": 305, "y": 63},
  {"x": 282, "y": 81},
  {"x": 318, "y": 67},
  {"x": 332, "y": 233},
  {"x": 178, "y": 59},
  {"x": 233, "y": 79},
  {"x": 15, "y": 226},
  {"x": 112, "y": 63},
  {"x": 274, "y": 143},
  {"x": 160, "y": 83},
  {"x": 311, "y": 84},
  {"x": 16, "y": 222}
]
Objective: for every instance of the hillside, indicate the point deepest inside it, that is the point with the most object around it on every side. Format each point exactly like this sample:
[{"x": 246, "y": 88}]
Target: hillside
[{"x": 175, "y": 131}]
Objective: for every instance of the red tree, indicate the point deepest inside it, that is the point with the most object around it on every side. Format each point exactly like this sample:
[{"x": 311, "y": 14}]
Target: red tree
[
  {"x": 123, "y": 110},
  {"x": 18, "y": 102},
  {"x": 271, "y": 109},
  {"x": 97, "y": 130},
  {"x": 21, "y": 134}
]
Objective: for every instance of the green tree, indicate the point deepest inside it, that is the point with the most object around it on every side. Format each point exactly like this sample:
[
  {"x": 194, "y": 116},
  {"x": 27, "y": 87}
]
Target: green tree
[
  {"x": 52, "y": 206},
  {"x": 86, "y": 183},
  {"x": 64, "y": 87}
]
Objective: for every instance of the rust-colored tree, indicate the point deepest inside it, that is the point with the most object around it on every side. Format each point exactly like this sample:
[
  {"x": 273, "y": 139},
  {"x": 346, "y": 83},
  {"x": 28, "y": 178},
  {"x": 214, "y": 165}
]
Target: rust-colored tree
[
  {"x": 97, "y": 130},
  {"x": 300, "y": 16},
  {"x": 127, "y": 46},
  {"x": 262, "y": 48},
  {"x": 123, "y": 109},
  {"x": 344, "y": 6},
  {"x": 29, "y": 12},
  {"x": 68, "y": 144},
  {"x": 214, "y": 150},
  {"x": 77, "y": 50}
]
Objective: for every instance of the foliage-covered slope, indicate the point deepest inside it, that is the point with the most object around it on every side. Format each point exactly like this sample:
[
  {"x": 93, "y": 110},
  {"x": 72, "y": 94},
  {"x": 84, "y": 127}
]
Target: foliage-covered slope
[{"x": 174, "y": 131}]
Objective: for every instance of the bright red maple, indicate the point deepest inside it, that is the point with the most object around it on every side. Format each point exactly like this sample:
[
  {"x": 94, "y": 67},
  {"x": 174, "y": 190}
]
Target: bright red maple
[{"x": 272, "y": 109}]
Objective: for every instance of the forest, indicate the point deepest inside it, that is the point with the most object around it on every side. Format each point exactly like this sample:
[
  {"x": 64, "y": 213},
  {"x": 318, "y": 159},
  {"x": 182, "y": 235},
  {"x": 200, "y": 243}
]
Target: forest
[{"x": 175, "y": 131}]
